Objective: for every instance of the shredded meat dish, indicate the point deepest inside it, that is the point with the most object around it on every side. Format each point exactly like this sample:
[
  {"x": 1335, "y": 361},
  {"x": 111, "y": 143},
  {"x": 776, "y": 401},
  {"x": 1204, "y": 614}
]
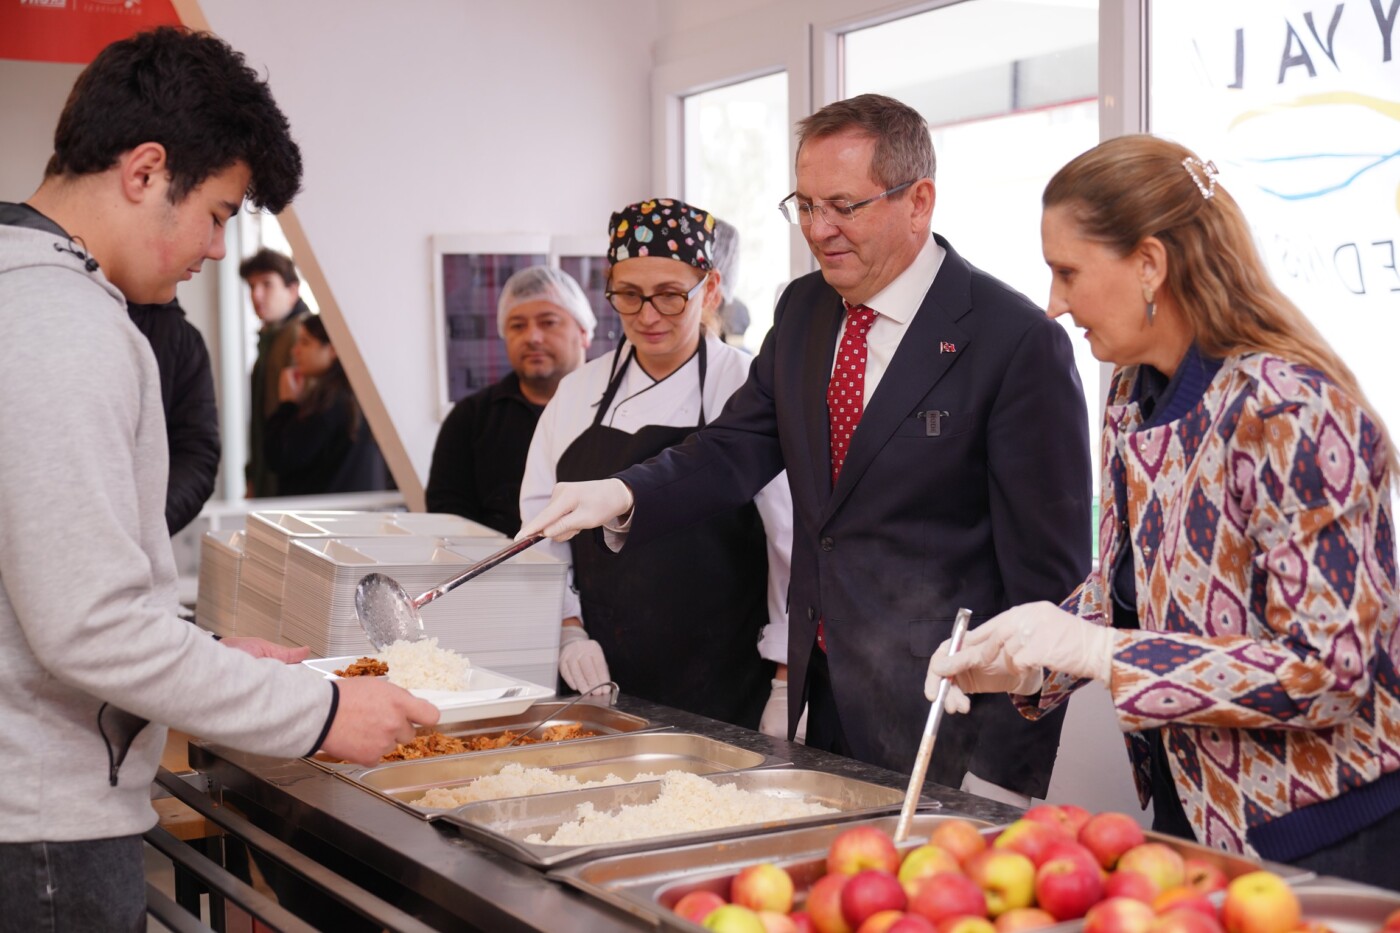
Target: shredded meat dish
[
  {"x": 435, "y": 743},
  {"x": 364, "y": 667}
]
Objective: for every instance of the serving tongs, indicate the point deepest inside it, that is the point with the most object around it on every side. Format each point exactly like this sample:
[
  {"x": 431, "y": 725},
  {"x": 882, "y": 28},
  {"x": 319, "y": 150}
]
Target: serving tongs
[
  {"x": 935, "y": 716},
  {"x": 388, "y": 614},
  {"x": 612, "y": 701}
]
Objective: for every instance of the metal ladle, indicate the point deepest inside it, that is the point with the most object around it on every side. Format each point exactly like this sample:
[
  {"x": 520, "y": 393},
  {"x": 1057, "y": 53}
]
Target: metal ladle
[
  {"x": 935, "y": 716},
  {"x": 388, "y": 614}
]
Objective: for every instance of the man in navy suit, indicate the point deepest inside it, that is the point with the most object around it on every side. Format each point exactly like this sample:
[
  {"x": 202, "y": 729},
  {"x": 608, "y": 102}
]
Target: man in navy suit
[{"x": 933, "y": 428}]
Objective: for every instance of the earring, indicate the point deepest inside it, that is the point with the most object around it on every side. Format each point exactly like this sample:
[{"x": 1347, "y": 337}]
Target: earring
[{"x": 1148, "y": 295}]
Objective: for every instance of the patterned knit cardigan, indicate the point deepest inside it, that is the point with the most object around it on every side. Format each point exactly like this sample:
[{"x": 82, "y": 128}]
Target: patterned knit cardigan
[{"x": 1265, "y": 564}]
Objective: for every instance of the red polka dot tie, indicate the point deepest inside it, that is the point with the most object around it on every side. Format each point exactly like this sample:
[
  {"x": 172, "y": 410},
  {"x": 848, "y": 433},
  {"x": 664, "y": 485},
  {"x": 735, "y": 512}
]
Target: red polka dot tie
[{"x": 845, "y": 394}]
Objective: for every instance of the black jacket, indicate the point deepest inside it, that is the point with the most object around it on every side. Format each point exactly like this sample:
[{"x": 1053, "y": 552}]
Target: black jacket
[
  {"x": 327, "y": 451},
  {"x": 191, "y": 414},
  {"x": 480, "y": 456}
]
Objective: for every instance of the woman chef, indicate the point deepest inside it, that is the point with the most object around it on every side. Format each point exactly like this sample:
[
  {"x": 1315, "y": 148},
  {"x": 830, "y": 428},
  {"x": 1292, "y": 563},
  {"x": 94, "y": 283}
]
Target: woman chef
[{"x": 696, "y": 621}]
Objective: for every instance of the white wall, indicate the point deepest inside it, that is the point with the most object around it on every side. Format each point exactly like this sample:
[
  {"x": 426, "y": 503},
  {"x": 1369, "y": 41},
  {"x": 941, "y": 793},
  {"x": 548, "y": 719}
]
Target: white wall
[{"x": 446, "y": 117}]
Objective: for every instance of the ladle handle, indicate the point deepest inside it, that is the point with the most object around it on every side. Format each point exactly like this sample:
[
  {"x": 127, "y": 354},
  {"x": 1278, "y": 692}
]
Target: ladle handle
[
  {"x": 477, "y": 569},
  {"x": 935, "y": 716}
]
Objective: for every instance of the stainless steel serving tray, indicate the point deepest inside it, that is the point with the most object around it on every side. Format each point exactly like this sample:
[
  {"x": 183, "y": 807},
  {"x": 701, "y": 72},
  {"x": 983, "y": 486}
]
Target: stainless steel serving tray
[
  {"x": 648, "y": 884},
  {"x": 505, "y": 824},
  {"x": 625, "y": 756},
  {"x": 603, "y": 720},
  {"x": 1344, "y": 906}
]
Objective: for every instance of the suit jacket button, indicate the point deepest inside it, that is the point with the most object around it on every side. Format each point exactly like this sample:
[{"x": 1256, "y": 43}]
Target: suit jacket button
[
  {"x": 811, "y": 613},
  {"x": 828, "y": 544}
]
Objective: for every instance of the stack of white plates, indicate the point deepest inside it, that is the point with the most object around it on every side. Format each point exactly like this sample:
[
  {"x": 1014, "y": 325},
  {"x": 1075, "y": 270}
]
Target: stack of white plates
[
  {"x": 505, "y": 620},
  {"x": 270, "y": 535},
  {"x": 220, "y": 554}
]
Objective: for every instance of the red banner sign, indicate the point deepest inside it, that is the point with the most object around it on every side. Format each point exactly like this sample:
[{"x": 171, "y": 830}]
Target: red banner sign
[{"x": 75, "y": 30}]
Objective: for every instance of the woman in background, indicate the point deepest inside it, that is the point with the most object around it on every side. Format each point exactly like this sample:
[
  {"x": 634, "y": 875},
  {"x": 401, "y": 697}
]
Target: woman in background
[
  {"x": 1243, "y": 613},
  {"x": 317, "y": 439}
]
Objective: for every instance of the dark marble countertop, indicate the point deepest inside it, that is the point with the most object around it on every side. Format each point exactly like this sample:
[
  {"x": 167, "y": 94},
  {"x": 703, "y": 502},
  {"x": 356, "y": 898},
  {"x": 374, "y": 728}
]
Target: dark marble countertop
[{"x": 451, "y": 882}]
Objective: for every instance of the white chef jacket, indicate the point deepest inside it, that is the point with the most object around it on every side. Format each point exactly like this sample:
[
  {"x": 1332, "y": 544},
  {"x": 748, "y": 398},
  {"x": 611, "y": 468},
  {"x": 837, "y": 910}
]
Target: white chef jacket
[{"x": 670, "y": 402}]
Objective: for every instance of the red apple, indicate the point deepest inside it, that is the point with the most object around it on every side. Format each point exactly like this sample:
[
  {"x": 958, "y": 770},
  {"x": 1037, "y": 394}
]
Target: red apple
[
  {"x": 1067, "y": 887},
  {"x": 947, "y": 894},
  {"x": 923, "y": 862},
  {"x": 803, "y": 921},
  {"x": 1183, "y": 920},
  {"x": 860, "y": 848},
  {"x": 1158, "y": 861},
  {"x": 1119, "y": 915},
  {"x": 1206, "y": 877},
  {"x": 695, "y": 906},
  {"x": 764, "y": 886},
  {"x": 1028, "y": 837},
  {"x": 880, "y": 921},
  {"x": 1022, "y": 919},
  {"x": 1109, "y": 835},
  {"x": 1260, "y": 902},
  {"x": 731, "y": 918},
  {"x": 1051, "y": 816},
  {"x": 1067, "y": 848},
  {"x": 1392, "y": 923},
  {"x": 1006, "y": 878},
  {"x": 959, "y": 837},
  {"x": 1077, "y": 817},
  {"x": 1184, "y": 897},
  {"x": 869, "y": 892},
  {"x": 774, "y": 922},
  {"x": 824, "y": 904},
  {"x": 912, "y": 923},
  {"x": 965, "y": 925},
  {"x": 1132, "y": 884}
]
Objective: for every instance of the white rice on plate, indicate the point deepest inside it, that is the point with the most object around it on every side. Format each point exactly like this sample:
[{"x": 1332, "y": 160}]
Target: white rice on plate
[
  {"x": 688, "y": 803},
  {"x": 515, "y": 780},
  {"x": 422, "y": 665}
]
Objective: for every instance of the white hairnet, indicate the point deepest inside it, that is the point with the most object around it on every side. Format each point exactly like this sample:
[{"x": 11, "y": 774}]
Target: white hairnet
[
  {"x": 542, "y": 283},
  {"x": 725, "y": 250}
]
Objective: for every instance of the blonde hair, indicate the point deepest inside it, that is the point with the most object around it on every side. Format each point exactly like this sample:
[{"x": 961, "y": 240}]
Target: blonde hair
[{"x": 1132, "y": 187}]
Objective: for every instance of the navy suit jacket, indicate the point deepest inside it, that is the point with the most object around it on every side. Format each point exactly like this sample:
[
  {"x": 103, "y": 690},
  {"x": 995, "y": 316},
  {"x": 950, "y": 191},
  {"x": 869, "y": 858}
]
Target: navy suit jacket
[{"x": 991, "y": 511}]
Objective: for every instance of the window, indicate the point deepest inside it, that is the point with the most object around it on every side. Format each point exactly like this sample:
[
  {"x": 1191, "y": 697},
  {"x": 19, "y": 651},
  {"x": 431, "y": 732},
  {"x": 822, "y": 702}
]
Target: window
[
  {"x": 737, "y": 167},
  {"x": 1010, "y": 93}
]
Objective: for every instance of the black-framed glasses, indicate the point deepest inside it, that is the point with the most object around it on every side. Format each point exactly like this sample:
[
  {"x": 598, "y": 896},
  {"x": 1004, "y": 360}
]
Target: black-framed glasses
[
  {"x": 667, "y": 303},
  {"x": 837, "y": 212}
]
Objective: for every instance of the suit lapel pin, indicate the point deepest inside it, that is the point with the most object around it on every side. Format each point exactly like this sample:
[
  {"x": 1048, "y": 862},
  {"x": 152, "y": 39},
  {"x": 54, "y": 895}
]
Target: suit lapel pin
[{"x": 946, "y": 347}]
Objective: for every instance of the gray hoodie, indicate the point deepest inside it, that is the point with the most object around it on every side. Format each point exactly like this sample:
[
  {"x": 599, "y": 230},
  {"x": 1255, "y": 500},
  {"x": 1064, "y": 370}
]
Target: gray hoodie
[{"x": 87, "y": 576}]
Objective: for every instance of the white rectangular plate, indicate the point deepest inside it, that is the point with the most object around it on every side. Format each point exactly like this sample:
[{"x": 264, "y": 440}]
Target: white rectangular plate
[{"x": 481, "y": 700}]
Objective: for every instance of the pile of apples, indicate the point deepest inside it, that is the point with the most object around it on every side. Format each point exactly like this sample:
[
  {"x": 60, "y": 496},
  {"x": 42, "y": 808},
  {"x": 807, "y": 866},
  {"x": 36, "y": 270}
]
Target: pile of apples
[{"x": 1057, "y": 863}]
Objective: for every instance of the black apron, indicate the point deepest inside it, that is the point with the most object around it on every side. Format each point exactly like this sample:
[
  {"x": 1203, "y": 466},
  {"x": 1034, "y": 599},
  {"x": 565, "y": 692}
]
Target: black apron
[{"x": 679, "y": 619}]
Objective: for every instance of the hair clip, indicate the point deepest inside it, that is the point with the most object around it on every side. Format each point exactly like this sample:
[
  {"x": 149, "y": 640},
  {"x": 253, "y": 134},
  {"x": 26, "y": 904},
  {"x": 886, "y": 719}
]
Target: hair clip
[{"x": 1203, "y": 174}]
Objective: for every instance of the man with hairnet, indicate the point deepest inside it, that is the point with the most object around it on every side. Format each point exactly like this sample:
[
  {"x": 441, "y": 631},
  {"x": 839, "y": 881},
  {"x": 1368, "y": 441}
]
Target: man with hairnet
[{"x": 546, "y": 321}]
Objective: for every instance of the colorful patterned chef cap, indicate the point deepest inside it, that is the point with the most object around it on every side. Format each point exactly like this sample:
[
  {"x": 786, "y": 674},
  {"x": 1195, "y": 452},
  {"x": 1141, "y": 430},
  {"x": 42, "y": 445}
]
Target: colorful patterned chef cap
[{"x": 666, "y": 228}]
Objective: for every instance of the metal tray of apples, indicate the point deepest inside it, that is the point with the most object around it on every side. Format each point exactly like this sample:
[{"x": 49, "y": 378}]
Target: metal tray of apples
[
  {"x": 592, "y": 717},
  {"x": 625, "y": 756},
  {"x": 506, "y": 824},
  {"x": 649, "y": 884}
]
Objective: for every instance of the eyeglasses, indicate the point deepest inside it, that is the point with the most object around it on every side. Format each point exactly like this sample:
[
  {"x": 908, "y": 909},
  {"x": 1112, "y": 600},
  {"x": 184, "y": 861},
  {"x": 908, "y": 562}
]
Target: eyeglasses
[
  {"x": 667, "y": 303},
  {"x": 833, "y": 212}
]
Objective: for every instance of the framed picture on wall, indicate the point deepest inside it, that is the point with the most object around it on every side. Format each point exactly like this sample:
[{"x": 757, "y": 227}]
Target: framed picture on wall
[{"x": 469, "y": 272}]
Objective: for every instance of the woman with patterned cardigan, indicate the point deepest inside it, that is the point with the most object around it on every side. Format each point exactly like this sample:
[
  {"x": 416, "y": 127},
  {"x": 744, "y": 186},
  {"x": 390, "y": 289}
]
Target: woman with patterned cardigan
[{"x": 1243, "y": 611}]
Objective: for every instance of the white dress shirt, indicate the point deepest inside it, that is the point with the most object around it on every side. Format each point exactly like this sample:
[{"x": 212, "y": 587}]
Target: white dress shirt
[{"x": 674, "y": 402}]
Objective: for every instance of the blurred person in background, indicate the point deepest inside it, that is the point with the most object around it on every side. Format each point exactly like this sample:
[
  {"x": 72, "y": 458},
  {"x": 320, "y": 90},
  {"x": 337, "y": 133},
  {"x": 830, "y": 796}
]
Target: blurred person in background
[
  {"x": 547, "y": 324},
  {"x": 160, "y": 141},
  {"x": 275, "y": 289},
  {"x": 191, "y": 411},
  {"x": 699, "y": 621},
  {"x": 1243, "y": 611},
  {"x": 733, "y": 313},
  {"x": 317, "y": 440}
]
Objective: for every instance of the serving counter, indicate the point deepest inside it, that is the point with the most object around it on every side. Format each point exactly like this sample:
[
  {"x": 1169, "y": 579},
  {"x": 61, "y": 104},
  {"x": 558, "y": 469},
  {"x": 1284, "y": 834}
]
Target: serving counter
[{"x": 434, "y": 872}]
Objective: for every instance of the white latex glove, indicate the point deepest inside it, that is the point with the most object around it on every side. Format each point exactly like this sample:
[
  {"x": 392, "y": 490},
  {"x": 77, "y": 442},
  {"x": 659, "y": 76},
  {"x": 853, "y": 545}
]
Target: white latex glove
[
  {"x": 1010, "y": 653},
  {"x": 575, "y": 507},
  {"x": 581, "y": 661},
  {"x": 774, "y": 720}
]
